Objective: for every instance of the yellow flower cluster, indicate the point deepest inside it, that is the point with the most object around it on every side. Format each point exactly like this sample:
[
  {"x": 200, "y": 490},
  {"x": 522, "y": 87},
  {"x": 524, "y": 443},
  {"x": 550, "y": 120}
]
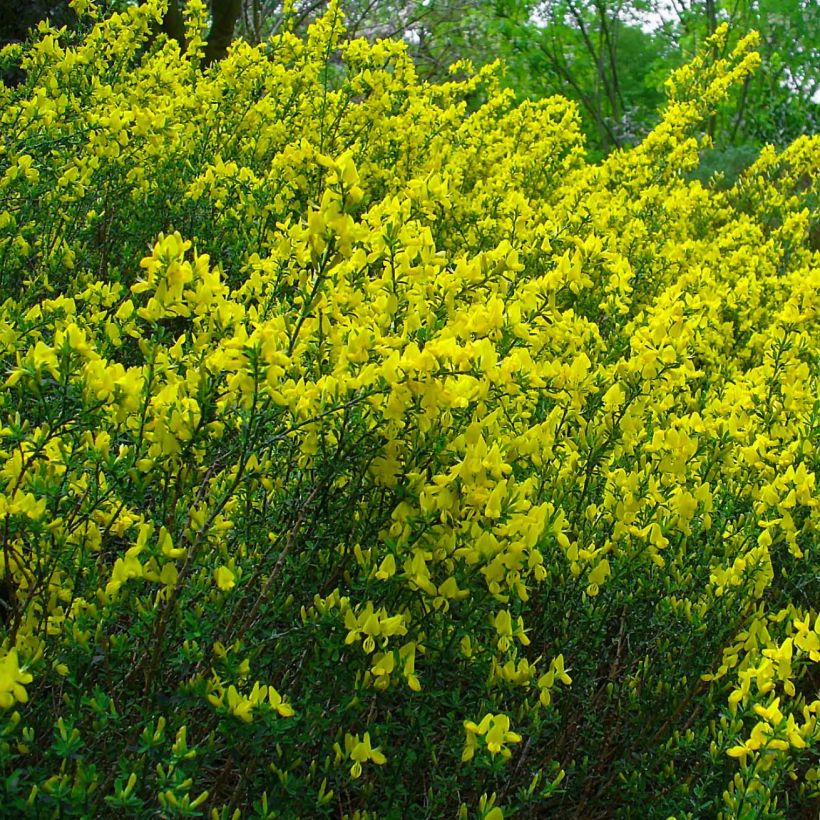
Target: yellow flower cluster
[
  {"x": 242, "y": 706},
  {"x": 495, "y": 732},
  {"x": 404, "y": 404},
  {"x": 359, "y": 751}
]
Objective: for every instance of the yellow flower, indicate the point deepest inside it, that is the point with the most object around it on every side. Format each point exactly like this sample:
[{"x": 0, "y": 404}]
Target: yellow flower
[
  {"x": 12, "y": 680},
  {"x": 276, "y": 702},
  {"x": 360, "y": 751},
  {"x": 495, "y": 729},
  {"x": 614, "y": 398},
  {"x": 225, "y": 579}
]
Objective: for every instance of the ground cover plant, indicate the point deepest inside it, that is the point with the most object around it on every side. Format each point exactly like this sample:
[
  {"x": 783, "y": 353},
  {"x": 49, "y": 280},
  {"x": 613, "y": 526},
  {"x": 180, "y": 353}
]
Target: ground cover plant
[{"x": 368, "y": 452}]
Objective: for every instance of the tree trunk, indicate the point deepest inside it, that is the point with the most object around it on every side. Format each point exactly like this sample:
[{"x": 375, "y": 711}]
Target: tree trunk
[
  {"x": 224, "y": 14},
  {"x": 173, "y": 24}
]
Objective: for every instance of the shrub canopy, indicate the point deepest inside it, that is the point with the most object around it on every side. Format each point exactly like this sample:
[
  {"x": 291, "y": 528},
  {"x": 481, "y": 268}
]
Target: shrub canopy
[{"x": 368, "y": 452}]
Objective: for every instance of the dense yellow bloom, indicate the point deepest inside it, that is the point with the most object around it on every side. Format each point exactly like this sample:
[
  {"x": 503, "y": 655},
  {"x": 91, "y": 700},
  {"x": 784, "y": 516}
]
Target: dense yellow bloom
[{"x": 316, "y": 374}]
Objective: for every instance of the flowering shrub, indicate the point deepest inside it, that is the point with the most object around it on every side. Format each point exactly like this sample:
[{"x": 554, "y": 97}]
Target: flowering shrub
[{"x": 366, "y": 453}]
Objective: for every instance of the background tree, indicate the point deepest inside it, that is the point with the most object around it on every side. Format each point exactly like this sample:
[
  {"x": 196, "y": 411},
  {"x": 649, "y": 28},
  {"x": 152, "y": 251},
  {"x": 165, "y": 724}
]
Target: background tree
[
  {"x": 780, "y": 101},
  {"x": 776, "y": 104},
  {"x": 224, "y": 14},
  {"x": 611, "y": 55},
  {"x": 596, "y": 53},
  {"x": 438, "y": 32},
  {"x": 17, "y": 19}
]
